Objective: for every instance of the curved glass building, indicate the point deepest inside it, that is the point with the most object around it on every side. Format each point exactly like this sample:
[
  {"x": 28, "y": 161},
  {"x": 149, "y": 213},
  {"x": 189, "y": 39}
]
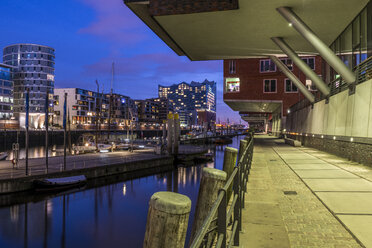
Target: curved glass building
[
  {"x": 6, "y": 92},
  {"x": 33, "y": 68}
]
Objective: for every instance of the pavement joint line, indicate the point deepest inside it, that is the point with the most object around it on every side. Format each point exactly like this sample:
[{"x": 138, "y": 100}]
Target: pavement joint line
[
  {"x": 343, "y": 178},
  {"x": 330, "y": 211},
  {"x": 353, "y": 214},
  {"x": 343, "y": 191},
  {"x": 332, "y": 163}
]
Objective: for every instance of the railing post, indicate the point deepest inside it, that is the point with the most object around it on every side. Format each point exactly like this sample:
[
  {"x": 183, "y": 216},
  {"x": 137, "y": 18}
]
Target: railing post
[
  {"x": 221, "y": 220},
  {"x": 237, "y": 207}
]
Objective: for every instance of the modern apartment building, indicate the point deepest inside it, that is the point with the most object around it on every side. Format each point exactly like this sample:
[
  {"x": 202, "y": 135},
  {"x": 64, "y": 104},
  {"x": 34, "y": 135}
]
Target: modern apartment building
[
  {"x": 84, "y": 107},
  {"x": 33, "y": 69},
  {"x": 148, "y": 112},
  {"x": 186, "y": 99},
  {"x": 6, "y": 92},
  {"x": 123, "y": 109}
]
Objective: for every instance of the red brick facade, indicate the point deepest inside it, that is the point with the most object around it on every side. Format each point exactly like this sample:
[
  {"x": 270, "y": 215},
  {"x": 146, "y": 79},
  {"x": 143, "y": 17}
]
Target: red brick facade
[
  {"x": 176, "y": 7},
  {"x": 252, "y": 81}
]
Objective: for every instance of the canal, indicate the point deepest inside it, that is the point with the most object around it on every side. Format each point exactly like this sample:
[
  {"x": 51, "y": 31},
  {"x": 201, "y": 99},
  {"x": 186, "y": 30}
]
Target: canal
[{"x": 103, "y": 215}]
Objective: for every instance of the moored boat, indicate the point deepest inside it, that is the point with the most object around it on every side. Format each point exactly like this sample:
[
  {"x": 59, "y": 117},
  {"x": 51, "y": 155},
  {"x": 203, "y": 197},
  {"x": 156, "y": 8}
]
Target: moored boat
[
  {"x": 3, "y": 155},
  {"x": 51, "y": 184}
]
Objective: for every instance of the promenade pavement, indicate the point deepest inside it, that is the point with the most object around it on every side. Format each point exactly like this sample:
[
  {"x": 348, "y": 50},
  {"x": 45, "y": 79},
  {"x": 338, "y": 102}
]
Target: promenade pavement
[{"x": 302, "y": 197}]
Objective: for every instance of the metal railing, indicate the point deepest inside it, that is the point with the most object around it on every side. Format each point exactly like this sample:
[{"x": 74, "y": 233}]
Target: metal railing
[
  {"x": 363, "y": 72},
  {"x": 214, "y": 230}
]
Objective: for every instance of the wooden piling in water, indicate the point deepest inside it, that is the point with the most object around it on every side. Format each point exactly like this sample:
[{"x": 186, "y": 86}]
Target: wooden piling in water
[
  {"x": 167, "y": 220},
  {"x": 212, "y": 180},
  {"x": 229, "y": 162}
]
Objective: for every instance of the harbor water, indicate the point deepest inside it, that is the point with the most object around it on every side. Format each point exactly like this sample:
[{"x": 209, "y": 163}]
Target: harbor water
[{"x": 103, "y": 215}]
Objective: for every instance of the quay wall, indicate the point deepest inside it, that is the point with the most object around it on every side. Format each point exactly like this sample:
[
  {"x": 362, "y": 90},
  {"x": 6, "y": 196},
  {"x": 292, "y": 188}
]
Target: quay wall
[{"x": 156, "y": 165}]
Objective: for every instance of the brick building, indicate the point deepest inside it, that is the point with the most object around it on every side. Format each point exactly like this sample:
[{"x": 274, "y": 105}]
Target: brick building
[{"x": 260, "y": 91}]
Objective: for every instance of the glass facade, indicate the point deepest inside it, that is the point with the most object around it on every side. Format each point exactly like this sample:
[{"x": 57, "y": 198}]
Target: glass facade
[
  {"x": 186, "y": 99},
  {"x": 33, "y": 69},
  {"x": 6, "y": 92},
  {"x": 353, "y": 45}
]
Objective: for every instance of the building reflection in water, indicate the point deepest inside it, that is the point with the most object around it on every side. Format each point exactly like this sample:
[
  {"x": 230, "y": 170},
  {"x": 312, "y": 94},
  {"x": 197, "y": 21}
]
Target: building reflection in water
[{"x": 113, "y": 215}]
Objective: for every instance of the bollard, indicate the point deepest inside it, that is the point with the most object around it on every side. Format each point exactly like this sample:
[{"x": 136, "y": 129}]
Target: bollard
[
  {"x": 167, "y": 220},
  {"x": 211, "y": 182},
  {"x": 229, "y": 162}
]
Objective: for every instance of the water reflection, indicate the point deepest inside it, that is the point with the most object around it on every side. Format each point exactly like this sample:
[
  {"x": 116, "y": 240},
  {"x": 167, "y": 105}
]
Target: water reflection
[
  {"x": 37, "y": 152},
  {"x": 113, "y": 215}
]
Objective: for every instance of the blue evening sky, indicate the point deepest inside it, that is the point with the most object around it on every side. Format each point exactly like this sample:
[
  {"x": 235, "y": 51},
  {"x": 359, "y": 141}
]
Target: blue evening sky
[{"x": 88, "y": 35}]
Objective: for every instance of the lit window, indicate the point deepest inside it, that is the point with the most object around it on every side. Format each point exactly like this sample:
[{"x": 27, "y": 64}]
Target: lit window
[
  {"x": 232, "y": 84},
  {"x": 290, "y": 87},
  {"x": 270, "y": 86},
  {"x": 267, "y": 65}
]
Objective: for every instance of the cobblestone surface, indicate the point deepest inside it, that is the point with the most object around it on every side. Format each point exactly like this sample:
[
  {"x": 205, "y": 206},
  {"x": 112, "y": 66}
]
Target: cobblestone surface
[{"x": 307, "y": 221}]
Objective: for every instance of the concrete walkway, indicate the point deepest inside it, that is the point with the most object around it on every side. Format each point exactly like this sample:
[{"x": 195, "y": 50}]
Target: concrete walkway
[{"x": 301, "y": 197}]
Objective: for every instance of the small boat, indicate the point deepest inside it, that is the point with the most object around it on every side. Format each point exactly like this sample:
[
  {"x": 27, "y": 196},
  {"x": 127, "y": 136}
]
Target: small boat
[
  {"x": 104, "y": 147},
  {"x": 122, "y": 146},
  {"x": 83, "y": 149},
  {"x": 3, "y": 155},
  {"x": 51, "y": 184}
]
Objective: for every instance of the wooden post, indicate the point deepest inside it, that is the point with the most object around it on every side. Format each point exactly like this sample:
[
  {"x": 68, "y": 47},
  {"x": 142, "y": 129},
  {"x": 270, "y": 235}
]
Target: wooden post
[
  {"x": 212, "y": 180},
  {"x": 170, "y": 133},
  {"x": 229, "y": 162},
  {"x": 167, "y": 220},
  {"x": 176, "y": 130}
]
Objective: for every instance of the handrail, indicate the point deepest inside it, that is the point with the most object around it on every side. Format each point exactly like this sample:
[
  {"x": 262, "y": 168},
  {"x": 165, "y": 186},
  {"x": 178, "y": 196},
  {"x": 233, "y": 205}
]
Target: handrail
[
  {"x": 363, "y": 72},
  {"x": 238, "y": 179}
]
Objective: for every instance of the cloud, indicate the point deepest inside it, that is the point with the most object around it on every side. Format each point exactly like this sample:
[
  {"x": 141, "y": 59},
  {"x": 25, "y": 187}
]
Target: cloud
[
  {"x": 114, "y": 22},
  {"x": 153, "y": 64}
]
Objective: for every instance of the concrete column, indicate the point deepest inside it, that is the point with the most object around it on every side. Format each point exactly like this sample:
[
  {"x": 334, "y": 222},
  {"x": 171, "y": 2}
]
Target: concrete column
[
  {"x": 334, "y": 61},
  {"x": 167, "y": 220},
  {"x": 301, "y": 65},
  {"x": 212, "y": 180},
  {"x": 229, "y": 162},
  {"x": 293, "y": 78}
]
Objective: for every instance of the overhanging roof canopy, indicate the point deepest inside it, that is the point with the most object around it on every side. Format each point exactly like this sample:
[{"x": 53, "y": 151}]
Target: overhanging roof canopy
[
  {"x": 246, "y": 31},
  {"x": 254, "y": 106}
]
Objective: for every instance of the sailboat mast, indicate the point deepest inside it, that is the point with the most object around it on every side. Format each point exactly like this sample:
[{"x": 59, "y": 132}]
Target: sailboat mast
[{"x": 110, "y": 102}]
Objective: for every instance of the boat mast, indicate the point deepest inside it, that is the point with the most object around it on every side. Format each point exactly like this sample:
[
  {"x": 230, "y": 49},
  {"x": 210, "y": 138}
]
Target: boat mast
[{"x": 110, "y": 102}]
